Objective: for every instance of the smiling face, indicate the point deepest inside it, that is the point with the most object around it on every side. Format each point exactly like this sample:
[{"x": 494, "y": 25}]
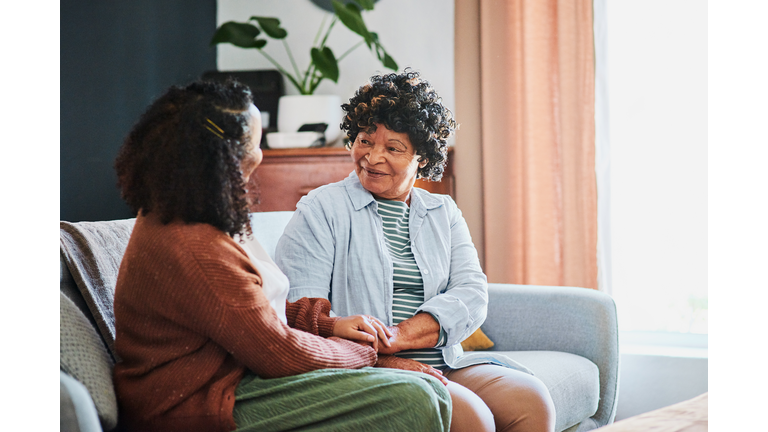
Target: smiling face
[{"x": 386, "y": 163}]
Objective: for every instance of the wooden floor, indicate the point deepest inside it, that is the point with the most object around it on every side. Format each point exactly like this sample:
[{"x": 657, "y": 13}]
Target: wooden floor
[{"x": 689, "y": 416}]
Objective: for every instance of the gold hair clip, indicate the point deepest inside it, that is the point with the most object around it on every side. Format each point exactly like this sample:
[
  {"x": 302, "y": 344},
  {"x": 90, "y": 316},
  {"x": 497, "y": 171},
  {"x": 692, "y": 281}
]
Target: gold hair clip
[
  {"x": 215, "y": 125},
  {"x": 214, "y": 132},
  {"x": 220, "y": 130}
]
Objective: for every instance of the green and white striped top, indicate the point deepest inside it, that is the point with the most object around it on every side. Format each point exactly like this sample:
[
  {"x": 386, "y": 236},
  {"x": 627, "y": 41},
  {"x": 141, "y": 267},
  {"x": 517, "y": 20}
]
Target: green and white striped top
[{"x": 408, "y": 292}]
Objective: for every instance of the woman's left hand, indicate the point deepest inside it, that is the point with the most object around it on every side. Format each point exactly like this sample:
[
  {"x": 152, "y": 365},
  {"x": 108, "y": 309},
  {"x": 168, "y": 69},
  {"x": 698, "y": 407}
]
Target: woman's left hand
[{"x": 364, "y": 328}]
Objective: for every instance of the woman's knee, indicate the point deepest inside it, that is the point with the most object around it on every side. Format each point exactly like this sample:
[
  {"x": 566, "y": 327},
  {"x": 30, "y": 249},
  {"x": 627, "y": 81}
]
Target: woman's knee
[
  {"x": 539, "y": 399},
  {"x": 535, "y": 409},
  {"x": 518, "y": 401},
  {"x": 469, "y": 413},
  {"x": 428, "y": 402}
]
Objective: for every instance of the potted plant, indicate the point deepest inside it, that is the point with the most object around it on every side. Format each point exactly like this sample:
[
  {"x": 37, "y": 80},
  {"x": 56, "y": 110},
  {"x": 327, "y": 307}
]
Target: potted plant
[{"x": 307, "y": 107}]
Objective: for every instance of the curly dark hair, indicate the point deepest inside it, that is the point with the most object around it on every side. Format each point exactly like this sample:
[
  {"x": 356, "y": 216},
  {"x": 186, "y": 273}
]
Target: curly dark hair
[
  {"x": 178, "y": 164},
  {"x": 404, "y": 103}
]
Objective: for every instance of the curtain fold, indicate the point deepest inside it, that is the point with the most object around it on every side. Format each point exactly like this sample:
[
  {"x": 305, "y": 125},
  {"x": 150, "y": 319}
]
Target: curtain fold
[{"x": 537, "y": 105}]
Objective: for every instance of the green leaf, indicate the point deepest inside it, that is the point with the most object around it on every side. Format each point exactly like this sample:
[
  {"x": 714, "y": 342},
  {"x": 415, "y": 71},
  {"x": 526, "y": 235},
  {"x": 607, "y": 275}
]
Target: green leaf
[
  {"x": 242, "y": 35},
  {"x": 377, "y": 48},
  {"x": 381, "y": 53},
  {"x": 389, "y": 62},
  {"x": 365, "y": 4},
  {"x": 349, "y": 15},
  {"x": 271, "y": 27},
  {"x": 326, "y": 63}
]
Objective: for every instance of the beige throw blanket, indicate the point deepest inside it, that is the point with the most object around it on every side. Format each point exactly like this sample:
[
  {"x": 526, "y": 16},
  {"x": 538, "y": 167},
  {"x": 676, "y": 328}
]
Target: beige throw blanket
[{"x": 93, "y": 252}]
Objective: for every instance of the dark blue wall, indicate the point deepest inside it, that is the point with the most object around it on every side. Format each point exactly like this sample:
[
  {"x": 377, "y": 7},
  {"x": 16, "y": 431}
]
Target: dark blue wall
[{"x": 116, "y": 57}]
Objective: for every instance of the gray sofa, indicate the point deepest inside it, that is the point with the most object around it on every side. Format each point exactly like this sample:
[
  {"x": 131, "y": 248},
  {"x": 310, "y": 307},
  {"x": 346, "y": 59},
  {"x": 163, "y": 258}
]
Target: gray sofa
[{"x": 567, "y": 336}]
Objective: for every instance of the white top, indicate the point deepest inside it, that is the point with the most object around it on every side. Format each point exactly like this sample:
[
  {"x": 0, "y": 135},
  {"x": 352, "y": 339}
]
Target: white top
[{"x": 274, "y": 282}]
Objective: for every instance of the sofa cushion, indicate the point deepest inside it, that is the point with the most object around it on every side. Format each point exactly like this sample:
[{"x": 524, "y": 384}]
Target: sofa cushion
[
  {"x": 477, "y": 341},
  {"x": 82, "y": 355},
  {"x": 572, "y": 380}
]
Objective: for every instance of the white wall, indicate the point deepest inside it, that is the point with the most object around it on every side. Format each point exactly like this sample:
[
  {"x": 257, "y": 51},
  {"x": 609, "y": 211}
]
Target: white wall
[
  {"x": 418, "y": 34},
  {"x": 650, "y": 382}
]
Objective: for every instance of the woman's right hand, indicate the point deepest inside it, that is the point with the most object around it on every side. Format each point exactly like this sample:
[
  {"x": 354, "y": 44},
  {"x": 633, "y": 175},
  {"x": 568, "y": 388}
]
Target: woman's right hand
[
  {"x": 363, "y": 328},
  {"x": 393, "y": 362}
]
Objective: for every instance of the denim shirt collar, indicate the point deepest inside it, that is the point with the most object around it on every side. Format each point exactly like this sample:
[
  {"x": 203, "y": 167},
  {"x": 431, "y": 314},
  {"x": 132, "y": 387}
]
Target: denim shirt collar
[
  {"x": 421, "y": 201},
  {"x": 359, "y": 196}
]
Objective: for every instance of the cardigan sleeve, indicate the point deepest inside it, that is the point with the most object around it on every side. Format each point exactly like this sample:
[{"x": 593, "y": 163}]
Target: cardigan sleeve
[
  {"x": 245, "y": 324},
  {"x": 311, "y": 315}
]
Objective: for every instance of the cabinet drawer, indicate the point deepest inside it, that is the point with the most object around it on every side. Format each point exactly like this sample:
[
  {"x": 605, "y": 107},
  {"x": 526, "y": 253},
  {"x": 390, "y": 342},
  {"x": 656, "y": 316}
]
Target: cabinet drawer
[
  {"x": 282, "y": 181},
  {"x": 286, "y": 175}
]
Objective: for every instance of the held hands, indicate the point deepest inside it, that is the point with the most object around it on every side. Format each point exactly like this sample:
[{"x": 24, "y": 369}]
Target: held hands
[
  {"x": 394, "y": 343},
  {"x": 393, "y": 362},
  {"x": 367, "y": 329},
  {"x": 419, "y": 331},
  {"x": 363, "y": 328}
]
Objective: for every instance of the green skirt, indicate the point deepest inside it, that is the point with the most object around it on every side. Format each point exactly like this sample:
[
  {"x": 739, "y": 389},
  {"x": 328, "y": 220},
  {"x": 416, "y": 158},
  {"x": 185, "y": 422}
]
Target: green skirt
[{"x": 368, "y": 399}]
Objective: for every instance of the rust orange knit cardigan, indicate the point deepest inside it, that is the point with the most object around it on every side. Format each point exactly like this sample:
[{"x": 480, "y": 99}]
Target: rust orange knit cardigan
[{"x": 190, "y": 317}]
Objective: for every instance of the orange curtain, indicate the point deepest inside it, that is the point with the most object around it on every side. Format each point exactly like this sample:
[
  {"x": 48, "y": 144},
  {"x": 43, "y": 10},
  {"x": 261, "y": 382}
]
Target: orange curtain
[{"x": 537, "y": 122}]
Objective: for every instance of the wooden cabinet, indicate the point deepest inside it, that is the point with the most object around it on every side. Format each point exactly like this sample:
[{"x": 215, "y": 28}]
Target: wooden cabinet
[{"x": 286, "y": 175}]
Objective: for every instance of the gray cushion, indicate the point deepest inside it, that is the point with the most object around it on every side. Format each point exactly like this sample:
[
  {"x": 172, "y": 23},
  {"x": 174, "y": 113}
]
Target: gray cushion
[
  {"x": 572, "y": 380},
  {"x": 83, "y": 356}
]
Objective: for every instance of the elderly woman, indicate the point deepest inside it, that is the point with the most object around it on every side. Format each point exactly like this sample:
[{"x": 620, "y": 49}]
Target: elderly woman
[
  {"x": 373, "y": 244},
  {"x": 206, "y": 337}
]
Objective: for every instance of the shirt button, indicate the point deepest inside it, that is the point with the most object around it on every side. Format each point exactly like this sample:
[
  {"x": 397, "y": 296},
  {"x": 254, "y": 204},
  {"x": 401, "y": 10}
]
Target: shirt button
[{"x": 426, "y": 271}]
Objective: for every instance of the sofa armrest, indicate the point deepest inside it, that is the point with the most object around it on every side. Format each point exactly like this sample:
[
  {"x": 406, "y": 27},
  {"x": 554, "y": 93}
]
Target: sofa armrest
[
  {"x": 77, "y": 411},
  {"x": 579, "y": 321}
]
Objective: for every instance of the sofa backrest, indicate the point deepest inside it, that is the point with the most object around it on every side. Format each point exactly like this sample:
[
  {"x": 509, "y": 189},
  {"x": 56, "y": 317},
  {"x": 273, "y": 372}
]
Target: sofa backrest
[{"x": 268, "y": 227}]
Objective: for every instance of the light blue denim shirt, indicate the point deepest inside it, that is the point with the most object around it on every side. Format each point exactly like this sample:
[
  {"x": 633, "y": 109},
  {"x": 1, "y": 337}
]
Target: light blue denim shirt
[{"x": 334, "y": 248}]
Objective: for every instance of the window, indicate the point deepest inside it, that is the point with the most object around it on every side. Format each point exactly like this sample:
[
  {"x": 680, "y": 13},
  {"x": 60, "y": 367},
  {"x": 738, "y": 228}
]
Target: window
[{"x": 656, "y": 56}]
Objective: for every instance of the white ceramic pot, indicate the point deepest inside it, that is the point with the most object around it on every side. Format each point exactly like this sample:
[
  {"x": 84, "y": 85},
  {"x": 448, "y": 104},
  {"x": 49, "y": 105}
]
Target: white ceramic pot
[{"x": 296, "y": 110}]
